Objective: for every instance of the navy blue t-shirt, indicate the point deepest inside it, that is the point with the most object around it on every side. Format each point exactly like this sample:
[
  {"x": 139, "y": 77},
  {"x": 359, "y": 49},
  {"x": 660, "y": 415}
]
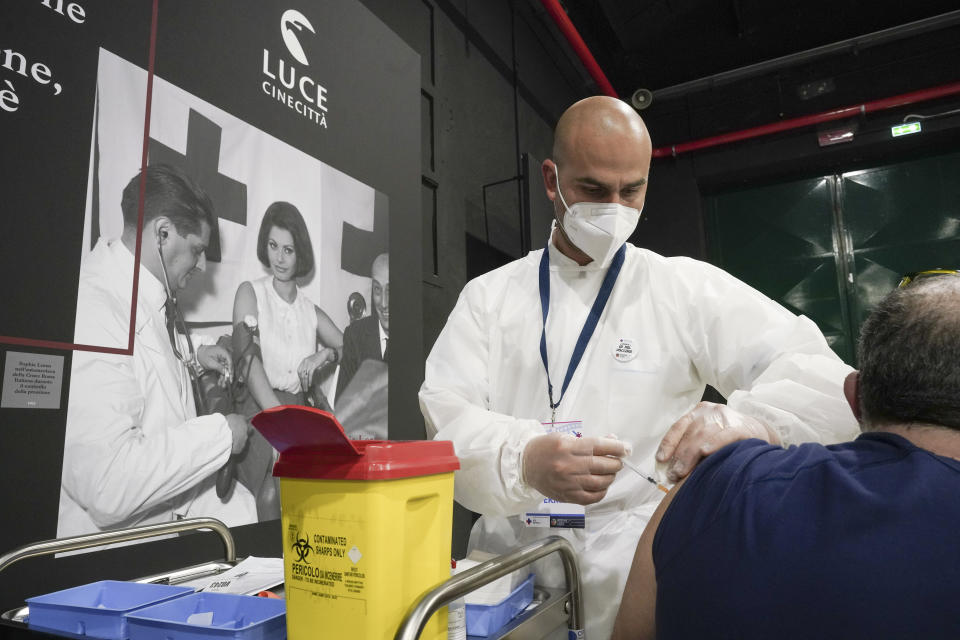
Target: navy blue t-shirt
[{"x": 856, "y": 540}]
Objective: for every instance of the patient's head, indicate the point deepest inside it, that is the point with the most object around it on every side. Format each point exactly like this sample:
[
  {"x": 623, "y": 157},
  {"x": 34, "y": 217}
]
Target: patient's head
[{"x": 910, "y": 357}]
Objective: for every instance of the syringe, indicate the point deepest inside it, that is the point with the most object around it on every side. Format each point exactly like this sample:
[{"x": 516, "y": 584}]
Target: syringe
[{"x": 636, "y": 469}]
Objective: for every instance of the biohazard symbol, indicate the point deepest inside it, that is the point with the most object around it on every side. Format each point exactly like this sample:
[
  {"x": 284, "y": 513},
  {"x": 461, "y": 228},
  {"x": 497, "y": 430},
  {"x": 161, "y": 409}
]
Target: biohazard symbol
[{"x": 301, "y": 547}]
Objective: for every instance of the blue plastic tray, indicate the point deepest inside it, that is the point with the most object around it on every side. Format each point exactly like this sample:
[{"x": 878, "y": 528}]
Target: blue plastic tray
[
  {"x": 482, "y": 620},
  {"x": 96, "y": 610},
  {"x": 234, "y": 616}
]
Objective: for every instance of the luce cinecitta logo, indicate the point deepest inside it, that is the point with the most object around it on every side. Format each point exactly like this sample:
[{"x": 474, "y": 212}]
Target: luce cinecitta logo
[{"x": 289, "y": 84}]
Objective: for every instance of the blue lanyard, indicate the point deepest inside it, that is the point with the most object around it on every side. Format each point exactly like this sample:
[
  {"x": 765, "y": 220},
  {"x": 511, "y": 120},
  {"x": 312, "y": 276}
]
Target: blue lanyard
[{"x": 588, "y": 327}]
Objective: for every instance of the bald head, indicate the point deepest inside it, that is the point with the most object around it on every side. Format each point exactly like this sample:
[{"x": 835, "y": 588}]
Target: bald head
[
  {"x": 601, "y": 153},
  {"x": 381, "y": 267},
  {"x": 599, "y": 121}
]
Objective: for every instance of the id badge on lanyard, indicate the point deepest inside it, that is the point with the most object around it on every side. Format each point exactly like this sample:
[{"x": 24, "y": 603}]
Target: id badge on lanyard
[
  {"x": 554, "y": 514},
  {"x": 589, "y": 326}
]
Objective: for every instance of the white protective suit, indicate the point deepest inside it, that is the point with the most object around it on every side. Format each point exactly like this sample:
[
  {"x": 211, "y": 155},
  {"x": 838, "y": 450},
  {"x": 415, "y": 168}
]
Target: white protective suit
[
  {"x": 135, "y": 451},
  {"x": 689, "y": 323}
]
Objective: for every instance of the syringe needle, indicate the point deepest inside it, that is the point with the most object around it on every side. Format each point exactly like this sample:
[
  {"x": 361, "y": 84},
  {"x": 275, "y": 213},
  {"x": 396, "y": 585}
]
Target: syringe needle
[{"x": 636, "y": 469}]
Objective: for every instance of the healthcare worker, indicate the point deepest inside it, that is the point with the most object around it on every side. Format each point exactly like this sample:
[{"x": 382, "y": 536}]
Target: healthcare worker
[
  {"x": 135, "y": 451},
  {"x": 542, "y": 359}
]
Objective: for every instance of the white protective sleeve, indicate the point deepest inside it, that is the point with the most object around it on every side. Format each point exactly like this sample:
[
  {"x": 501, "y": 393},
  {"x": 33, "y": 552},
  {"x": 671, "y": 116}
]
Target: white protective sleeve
[
  {"x": 454, "y": 403},
  {"x": 767, "y": 362}
]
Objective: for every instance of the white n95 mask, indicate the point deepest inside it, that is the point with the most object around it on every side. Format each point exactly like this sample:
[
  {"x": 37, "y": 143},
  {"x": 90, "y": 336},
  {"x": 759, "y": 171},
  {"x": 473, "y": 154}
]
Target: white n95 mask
[{"x": 597, "y": 228}]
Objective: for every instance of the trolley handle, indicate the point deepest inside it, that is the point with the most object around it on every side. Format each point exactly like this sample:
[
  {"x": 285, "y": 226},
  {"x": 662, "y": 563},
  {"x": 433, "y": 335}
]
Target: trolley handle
[
  {"x": 62, "y": 545},
  {"x": 474, "y": 578}
]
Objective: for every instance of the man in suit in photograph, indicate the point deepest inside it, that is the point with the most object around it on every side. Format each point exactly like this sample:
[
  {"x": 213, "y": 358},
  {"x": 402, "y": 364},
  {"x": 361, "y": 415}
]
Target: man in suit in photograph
[{"x": 368, "y": 337}]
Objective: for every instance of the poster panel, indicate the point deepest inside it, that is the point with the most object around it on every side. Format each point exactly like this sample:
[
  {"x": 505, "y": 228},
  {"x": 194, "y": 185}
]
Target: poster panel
[{"x": 237, "y": 110}]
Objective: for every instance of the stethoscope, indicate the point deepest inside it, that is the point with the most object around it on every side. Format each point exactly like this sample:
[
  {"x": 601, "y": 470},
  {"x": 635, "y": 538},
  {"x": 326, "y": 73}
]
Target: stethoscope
[
  {"x": 178, "y": 324},
  {"x": 227, "y": 472}
]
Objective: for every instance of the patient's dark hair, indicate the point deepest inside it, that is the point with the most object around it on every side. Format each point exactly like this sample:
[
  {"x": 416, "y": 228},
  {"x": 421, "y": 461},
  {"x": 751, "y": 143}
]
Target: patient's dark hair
[
  {"x": 910, "y": 356},
  {"x": 284, "y": 215}
]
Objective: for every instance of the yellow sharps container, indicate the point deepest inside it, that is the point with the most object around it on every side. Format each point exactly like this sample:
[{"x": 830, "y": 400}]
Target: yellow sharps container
[{"x": 366, "y": 525}]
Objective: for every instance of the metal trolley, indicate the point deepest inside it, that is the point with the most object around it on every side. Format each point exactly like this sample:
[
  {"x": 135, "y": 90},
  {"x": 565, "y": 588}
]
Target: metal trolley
[
  {"x": 17, "y": 616},
  {"x": 554, "y": 612}
]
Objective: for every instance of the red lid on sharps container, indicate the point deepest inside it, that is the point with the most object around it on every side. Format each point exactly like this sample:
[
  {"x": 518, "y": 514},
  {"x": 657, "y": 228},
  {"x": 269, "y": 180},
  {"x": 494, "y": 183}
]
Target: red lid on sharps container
[{"x": 312, "y": 444}]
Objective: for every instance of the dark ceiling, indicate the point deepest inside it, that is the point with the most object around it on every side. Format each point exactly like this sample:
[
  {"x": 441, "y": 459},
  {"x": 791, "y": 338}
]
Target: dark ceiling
[
  {"x": 715, "y": 66},
  {"x": 657, "y": 44}
]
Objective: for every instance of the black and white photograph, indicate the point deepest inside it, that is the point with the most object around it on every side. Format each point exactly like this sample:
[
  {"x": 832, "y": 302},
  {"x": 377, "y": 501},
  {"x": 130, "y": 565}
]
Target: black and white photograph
[{"x": 252, "y": 292}]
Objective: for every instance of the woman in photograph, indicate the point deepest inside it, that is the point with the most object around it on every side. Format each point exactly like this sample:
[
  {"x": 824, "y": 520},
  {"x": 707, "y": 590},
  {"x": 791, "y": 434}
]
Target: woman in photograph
[{"x": 297, "y": 339}]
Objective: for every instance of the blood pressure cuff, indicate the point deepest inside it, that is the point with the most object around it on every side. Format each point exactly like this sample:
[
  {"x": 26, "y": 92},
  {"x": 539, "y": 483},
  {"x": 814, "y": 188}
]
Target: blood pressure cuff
[{"x": 244, "y": 347}]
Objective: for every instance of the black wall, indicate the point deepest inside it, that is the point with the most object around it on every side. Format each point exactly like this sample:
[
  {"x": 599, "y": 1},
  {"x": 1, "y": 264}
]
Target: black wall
[{"x": 472, "y": 135}]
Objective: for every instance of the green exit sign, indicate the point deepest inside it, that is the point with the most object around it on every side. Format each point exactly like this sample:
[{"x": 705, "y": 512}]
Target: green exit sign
[{"x": 905, "y": 129}]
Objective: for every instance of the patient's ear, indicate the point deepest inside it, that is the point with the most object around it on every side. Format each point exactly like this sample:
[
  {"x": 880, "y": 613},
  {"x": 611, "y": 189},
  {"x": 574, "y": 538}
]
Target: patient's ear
[{"x": 851, "y": 388}]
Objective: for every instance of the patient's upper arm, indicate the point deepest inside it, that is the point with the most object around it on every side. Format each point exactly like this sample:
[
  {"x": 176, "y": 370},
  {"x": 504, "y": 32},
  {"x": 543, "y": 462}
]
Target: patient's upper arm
[{"x": 636, "y": 619}]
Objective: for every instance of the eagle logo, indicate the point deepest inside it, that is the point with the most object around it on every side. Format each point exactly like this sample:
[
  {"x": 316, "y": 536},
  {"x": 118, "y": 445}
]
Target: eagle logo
[{"x": 293, "y": 22}]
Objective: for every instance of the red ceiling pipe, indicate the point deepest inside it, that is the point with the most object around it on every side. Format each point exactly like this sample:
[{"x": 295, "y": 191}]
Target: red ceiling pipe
[
  {"x": 579, "y": 46},
  {"x": 804, "y": 121}
]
